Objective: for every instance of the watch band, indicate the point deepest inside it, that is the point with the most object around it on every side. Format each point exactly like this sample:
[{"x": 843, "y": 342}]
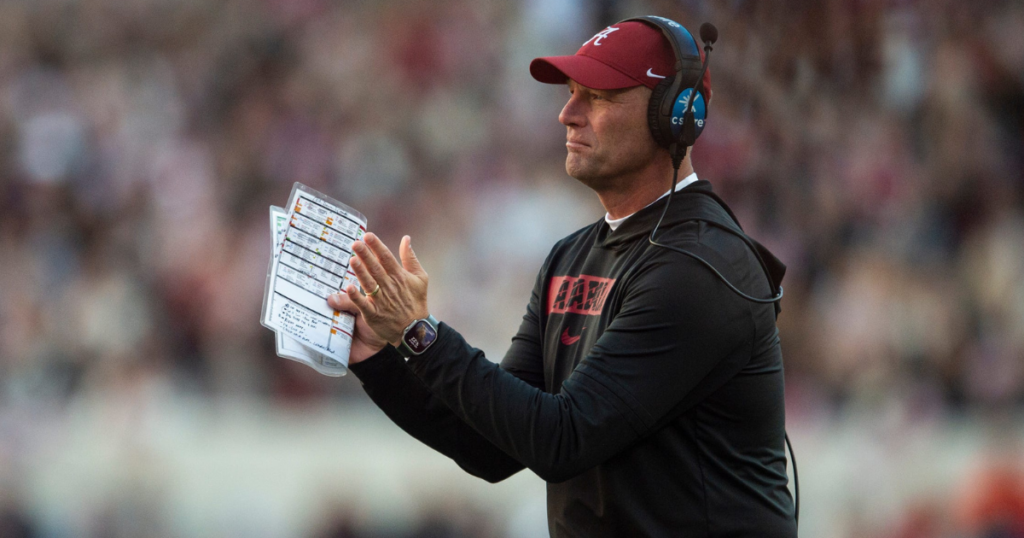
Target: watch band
[{"x": 406, "y": 350}]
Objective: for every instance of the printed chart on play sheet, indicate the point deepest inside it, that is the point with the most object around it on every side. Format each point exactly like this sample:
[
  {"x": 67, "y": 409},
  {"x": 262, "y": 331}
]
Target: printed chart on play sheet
[
  {"x": 311, "y": 263},
  {"x": 286, "y": 346}
]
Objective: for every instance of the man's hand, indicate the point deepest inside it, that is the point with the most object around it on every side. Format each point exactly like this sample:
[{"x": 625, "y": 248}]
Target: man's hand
[
  {"x": 365, "y": 342},
  {"x": 381, "y": 316}
]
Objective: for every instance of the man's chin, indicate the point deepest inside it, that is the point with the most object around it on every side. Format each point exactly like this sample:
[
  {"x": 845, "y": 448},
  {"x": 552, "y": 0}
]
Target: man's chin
[
  {"x": 574, "y": 168},
  {"x": 578, "y": 166},
  {"x": 583, "y": 174}
]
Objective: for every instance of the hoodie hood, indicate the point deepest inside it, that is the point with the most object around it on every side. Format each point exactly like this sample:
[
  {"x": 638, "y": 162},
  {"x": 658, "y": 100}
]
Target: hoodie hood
[{"x": 694, "y": 202}]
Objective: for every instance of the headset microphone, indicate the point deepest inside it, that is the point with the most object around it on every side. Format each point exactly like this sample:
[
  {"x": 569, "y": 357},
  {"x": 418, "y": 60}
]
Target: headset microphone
[{"x": 708, "y": 33}]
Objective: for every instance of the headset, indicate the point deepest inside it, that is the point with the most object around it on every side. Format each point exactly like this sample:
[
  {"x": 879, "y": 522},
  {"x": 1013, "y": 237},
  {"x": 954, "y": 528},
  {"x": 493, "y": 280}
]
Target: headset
[
  {"x": 676, "y": 120},
  {"x": 667, "y": 109}
]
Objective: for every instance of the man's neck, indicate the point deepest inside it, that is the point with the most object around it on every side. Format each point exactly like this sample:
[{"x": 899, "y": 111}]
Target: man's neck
[
  {"x": 641, "y": 192},
  {"x": 681, "y": 184}
]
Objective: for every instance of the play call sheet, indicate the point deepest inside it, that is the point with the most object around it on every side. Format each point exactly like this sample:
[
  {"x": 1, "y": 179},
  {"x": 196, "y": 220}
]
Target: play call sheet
[{"x": 312, "y": 263}]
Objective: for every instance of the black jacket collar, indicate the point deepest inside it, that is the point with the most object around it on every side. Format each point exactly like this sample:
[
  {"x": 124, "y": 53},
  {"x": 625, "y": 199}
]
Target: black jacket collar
[{"x": 686, "y": 204}]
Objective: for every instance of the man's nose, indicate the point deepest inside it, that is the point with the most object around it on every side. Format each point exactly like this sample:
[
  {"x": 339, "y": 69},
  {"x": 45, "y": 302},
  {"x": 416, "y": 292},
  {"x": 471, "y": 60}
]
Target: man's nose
[{"x": 574, "y": 112}]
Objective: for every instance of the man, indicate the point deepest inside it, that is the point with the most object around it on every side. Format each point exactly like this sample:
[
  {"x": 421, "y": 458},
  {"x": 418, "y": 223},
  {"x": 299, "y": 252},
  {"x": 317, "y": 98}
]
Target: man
[{"x": 646, "y": 393}]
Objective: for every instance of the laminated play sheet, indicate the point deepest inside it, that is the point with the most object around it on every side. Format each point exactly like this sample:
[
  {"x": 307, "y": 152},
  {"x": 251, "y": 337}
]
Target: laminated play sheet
[
  {"x": 288, "y": 347},
  {"x": 313, "y": 240}
]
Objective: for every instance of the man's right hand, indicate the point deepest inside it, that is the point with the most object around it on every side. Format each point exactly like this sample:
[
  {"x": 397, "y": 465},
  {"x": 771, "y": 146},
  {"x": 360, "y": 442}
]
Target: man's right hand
[{"x": 365, "y": 342}]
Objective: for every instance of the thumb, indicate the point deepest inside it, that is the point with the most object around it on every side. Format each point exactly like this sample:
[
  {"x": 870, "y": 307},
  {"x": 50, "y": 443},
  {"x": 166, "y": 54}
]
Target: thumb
[{"x": 409, "y": 260}]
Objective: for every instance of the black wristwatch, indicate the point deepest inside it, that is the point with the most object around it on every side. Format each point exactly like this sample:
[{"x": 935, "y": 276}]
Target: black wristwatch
[{"x": 418, "y": 336}]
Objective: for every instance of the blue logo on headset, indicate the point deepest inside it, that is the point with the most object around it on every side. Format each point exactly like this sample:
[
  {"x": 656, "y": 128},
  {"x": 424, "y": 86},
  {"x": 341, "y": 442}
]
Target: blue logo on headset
[{"x": 699, "y": 112}]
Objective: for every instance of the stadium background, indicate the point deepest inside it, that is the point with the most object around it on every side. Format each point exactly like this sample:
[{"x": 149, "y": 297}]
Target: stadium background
[{"x": 875, "y": 146}]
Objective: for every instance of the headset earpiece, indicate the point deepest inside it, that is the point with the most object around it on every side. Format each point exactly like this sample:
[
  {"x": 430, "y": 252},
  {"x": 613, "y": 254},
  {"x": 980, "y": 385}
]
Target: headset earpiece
[
  {"x": 662, "y": 118},
  {"x": 688, "y": 134}
]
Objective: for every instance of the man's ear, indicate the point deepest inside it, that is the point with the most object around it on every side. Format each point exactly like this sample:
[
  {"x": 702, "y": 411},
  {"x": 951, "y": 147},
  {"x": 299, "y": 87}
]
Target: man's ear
[{"x": 711, "y": 93}]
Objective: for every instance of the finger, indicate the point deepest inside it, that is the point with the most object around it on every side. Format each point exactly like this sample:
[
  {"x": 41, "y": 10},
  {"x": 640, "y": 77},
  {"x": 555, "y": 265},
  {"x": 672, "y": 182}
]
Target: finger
[
  {"x": 383, "y": 253},
  {"x": 409, "y": 259},
  {"x": 369, "y": 259},
  {"x": 340, "y": 302},
  {"x": 366, "y": 280},
  {"x": 361, "y": 302}
]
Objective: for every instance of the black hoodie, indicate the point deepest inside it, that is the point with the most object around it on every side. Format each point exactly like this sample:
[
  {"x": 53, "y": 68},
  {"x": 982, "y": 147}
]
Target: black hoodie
[{"x": 640, "y": 387}]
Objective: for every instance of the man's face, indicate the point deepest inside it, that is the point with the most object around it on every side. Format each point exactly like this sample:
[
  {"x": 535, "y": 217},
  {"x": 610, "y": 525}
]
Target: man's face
[{"x": 607, "y": 136}]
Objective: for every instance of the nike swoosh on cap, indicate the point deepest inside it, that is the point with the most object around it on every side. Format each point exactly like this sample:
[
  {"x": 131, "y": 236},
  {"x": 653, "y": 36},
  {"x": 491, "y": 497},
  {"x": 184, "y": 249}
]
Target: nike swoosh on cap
[{"x": 652, "y": 75}]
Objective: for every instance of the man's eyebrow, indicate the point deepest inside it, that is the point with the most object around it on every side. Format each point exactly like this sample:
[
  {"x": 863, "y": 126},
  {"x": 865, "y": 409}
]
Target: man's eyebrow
[{"x": 616, "y": 92}]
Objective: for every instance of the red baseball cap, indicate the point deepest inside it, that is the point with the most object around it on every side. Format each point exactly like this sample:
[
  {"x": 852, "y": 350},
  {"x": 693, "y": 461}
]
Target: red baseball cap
[{"x": 623, "y": 55}]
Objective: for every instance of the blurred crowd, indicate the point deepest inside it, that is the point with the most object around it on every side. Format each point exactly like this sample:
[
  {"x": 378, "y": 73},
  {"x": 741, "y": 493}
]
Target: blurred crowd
[{"x": 876, "y": 146}]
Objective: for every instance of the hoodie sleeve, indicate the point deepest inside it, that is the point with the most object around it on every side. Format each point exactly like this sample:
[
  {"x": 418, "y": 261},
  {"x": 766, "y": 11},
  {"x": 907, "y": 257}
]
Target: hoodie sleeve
[{"x": 677, "y": 337}]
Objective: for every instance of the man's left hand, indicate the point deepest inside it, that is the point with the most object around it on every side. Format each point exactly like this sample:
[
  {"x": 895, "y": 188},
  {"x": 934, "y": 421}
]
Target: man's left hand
[{"x": 402, "y": 294}]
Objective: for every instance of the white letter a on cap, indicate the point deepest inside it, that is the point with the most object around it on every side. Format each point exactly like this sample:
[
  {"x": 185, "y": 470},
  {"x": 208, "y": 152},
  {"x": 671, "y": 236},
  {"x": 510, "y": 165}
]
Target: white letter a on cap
[{"x": 600, "y": 35}]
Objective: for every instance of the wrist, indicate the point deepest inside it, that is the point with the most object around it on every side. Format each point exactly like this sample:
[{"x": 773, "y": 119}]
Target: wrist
[{"x": 361, "y": 351}]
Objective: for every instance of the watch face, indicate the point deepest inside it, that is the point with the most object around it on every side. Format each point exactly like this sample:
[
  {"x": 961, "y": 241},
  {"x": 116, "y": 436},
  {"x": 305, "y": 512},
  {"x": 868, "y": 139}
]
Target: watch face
[{"x": 420, "y": 336}]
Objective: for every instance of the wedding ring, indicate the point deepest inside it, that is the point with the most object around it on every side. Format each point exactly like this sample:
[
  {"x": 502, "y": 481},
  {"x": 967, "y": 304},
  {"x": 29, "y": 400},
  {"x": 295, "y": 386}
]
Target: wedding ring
[{"x": 375, "y": 291}]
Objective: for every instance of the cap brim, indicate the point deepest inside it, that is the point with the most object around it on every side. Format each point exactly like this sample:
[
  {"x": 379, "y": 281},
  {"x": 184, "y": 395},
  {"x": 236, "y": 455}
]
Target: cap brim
[{"x": 583, "y": 69}]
